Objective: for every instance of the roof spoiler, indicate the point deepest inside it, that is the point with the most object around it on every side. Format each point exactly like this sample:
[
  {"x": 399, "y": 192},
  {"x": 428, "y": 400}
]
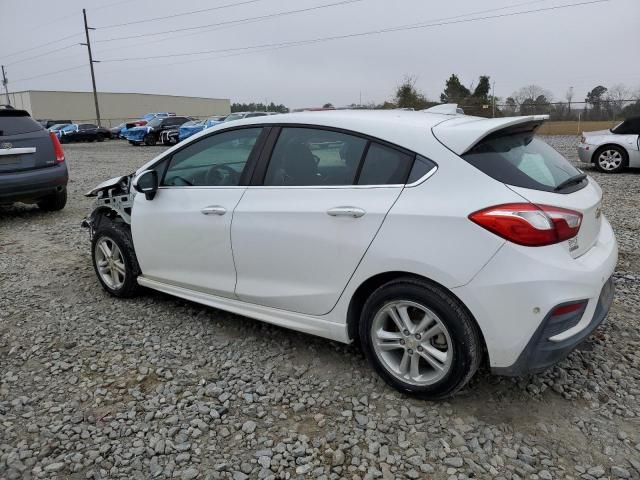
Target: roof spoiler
[
  {"x": 445, "y": 109},
  {"x": 462, "y": 133}
]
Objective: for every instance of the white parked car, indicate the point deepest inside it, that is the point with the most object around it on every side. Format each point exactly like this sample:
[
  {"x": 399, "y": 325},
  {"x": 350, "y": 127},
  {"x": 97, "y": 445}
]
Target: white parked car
[
  {"x": 611, "y": 151},
  {"x": 435, "y": 241}
]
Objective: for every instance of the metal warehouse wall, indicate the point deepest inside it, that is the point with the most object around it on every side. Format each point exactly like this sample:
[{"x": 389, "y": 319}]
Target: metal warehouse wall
[{"x": 114, "y": 107}]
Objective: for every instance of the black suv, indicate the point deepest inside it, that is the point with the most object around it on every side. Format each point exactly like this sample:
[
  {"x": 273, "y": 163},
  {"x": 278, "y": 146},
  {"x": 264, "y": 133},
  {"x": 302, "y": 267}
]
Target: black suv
[{"x": 32, "y": 166}]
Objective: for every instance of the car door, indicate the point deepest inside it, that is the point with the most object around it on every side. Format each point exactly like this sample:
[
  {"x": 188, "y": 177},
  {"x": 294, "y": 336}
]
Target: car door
[
  {"x": 182, "y": 235},
  {"x": 299, "y": 235}
]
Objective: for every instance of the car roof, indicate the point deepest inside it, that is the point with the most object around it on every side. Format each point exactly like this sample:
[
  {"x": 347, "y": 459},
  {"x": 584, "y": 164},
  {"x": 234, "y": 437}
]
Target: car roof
[
  {"x": 409, "y": 129},
  {"x": 405, "y": 128}
]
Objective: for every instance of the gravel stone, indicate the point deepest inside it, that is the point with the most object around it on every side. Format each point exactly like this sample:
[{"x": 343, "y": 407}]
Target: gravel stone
[{"x": 93, "y": 387}]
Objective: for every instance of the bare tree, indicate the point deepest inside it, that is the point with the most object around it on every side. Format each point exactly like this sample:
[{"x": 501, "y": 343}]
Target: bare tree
[
  {"x": 615, "y": 97},
  {"x": 531, "y": 92}
]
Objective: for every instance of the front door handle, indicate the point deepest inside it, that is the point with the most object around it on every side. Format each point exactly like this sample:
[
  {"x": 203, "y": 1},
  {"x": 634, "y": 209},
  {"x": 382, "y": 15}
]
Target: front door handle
[
  {"x": 213, "y": 210},
  {"x": 354, "y": 212}
]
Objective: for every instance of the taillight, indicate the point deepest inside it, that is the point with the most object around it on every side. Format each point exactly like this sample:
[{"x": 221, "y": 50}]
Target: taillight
[
  {"x": 57, "y": 148},
  {"x": 529, "y": 224}
]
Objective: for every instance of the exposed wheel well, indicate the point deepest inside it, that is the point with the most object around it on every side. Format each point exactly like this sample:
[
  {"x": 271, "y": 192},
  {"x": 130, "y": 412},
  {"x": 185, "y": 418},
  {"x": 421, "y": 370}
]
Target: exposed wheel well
[
  {"x": 625, "y": 154},
  {"x": 370, "y": 285}
]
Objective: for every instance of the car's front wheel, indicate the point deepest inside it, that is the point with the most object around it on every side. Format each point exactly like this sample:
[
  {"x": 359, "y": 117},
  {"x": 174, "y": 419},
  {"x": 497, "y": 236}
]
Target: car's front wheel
[
  {"x": 419, "y": 338},
  {"x": 114, "y": 259},
  {"x": 150, "y": 140},
  {"x": 611, "y": 159}
]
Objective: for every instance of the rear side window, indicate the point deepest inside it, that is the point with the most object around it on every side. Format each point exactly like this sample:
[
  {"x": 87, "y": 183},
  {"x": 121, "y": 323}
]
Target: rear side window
[
  {"x": 385, "y": 166},
  {"x": 10, "y": 125},
  {"x": 522, "y": 160},
  {"x": 308, "y": 156}
]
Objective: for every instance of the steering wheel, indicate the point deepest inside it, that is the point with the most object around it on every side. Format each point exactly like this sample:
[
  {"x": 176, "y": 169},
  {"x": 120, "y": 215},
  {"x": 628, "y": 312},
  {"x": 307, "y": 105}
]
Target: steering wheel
[{"x": 219, "y": 175}]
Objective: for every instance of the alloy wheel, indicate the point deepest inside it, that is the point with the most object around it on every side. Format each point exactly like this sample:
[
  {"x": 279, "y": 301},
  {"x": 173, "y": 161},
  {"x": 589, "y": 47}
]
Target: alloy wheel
[
  {"x": 412, "y": 343},
  {"x": 610, "y": 159},
  {"x": 110, "y": 263}
]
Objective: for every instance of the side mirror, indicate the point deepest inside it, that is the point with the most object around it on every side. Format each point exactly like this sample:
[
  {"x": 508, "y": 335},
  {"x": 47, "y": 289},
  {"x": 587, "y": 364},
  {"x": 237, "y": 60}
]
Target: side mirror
[{"x": 147, "y": 183}]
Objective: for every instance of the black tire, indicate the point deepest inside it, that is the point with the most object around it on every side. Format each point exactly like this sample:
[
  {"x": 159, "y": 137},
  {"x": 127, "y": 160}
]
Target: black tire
[
  {"x": 100, "y": 137},
  {"x": 119, "y": 234},
  {"x": 54, "y": 202},
  {"x": 465, "y": 337},
  {"x": 150, "y": 140},
  {"x": 601, "y": 165}
]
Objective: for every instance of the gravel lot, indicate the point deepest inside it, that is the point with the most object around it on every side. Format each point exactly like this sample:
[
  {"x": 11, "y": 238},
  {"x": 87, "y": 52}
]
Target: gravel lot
[{"x": 156, "y": 387}]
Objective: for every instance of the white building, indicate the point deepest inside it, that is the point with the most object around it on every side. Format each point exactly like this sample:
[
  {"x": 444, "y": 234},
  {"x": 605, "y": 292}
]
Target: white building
[{"x": 114, "y": 107}]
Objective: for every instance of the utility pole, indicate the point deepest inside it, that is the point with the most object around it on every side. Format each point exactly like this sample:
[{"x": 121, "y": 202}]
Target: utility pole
[
  {"x": 493, "y": 99},
  {"x": 5, "y": 82},
  {"x": 91, "y": 62}
]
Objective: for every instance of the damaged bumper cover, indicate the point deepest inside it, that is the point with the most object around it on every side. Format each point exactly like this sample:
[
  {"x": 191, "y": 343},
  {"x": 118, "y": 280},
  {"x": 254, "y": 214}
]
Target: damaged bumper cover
[{"x": 113, "y": 198}]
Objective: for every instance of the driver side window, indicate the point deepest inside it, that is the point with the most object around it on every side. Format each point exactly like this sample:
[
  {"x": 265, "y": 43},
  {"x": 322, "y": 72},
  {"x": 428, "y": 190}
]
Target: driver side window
[{"x": 214, "y": 161}]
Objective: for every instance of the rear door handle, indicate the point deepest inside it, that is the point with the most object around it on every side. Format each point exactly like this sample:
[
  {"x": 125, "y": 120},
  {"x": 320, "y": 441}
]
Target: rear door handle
[
  {"x": 354, "y": 212},
  {"x": 213, "y": 210}
]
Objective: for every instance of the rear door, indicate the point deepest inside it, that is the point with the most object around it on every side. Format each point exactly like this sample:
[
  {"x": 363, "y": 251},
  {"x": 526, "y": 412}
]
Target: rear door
[
  {"x": 299, "y": 235},
  {"x": 24, "y": 143}
]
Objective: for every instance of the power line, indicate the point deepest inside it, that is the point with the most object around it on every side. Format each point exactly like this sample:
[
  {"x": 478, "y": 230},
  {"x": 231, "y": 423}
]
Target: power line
[
  {"x": 193, "y": 12},
  {"x": 507, "y": 7},
  {"x": 48, "y": 52},
  {"x": 55, "y": 21},
  {"x": 358, "y": 34},
  {"x": 231, "y": 22},
  {"x": 50, "y": 73},
  {"x": 50, "y": 42}
]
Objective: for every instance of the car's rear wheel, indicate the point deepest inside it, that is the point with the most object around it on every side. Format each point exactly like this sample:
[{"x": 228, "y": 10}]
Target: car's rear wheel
[
  {"x": 55, "y": 201},
  {"x": 100, "y": 137},
  {"x": 611, "y": 159},
  {"x": 114, "y": 259},
  {"x": 150, "y": 140},
  {"x": 419, "y": 338}
]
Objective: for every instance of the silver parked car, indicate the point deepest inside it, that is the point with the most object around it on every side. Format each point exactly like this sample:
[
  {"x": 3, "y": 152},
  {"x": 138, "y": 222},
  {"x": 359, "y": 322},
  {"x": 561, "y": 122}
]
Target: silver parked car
[{"x": 612, "y": 150}]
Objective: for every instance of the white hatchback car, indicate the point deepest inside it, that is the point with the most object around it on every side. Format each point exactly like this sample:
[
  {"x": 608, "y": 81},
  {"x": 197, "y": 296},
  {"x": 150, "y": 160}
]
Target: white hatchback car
[{"x": 435, "y": 241}]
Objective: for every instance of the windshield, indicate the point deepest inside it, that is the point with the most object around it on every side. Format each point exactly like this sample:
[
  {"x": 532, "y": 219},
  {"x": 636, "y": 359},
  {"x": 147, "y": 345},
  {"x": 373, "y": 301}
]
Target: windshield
[
  {"x": 522, "y": 160},
  {"x": 57, "y": 126},
  {"x": 69, "y": 128},
  {"x": 234, "y": 116},
  {"x": 156, "y": 122}
]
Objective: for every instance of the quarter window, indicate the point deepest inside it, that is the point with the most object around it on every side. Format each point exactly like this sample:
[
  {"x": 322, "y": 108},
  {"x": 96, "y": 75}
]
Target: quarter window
[
  {"x": 385, "y": 166},
  {"x": 308, "y": 157},
  {"x": 214, "y": 161}
]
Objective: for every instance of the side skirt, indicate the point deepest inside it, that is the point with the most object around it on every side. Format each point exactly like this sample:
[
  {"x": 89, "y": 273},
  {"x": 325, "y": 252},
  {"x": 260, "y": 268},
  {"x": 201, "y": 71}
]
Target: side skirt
[{"x": 294, "y": 321}]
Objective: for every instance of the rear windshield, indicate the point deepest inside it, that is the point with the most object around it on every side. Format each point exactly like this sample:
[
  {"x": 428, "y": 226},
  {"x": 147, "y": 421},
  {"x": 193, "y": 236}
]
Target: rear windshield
[
  {"x": 523, "y": 160},
  {"x": 17, "y": 125}
]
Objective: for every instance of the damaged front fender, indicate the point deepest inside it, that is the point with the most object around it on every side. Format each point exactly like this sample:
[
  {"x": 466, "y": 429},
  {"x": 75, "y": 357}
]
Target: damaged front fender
[{"x": 113, "y": 199}]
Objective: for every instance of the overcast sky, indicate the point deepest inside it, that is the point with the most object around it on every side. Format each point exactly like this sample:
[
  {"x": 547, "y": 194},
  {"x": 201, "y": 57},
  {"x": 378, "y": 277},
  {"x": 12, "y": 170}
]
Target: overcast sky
[{"x": 582, "y": 46}]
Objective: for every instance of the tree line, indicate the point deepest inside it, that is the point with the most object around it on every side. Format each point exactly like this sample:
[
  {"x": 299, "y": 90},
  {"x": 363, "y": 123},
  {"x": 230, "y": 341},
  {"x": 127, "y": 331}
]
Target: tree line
[{"x": 601, "y": 103}]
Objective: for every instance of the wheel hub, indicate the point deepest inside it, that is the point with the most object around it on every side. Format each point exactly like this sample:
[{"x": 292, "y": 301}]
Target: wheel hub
[{"x": 412, "y": 342}]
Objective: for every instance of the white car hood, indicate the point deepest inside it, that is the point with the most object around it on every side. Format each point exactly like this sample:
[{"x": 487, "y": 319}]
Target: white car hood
[{"x": 460, "y": 134}]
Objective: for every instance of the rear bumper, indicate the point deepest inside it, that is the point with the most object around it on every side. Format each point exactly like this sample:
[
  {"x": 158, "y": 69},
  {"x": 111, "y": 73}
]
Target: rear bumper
[
  {"x": 31, "y": 185},
  {"x": 513, "y": 294},
  {"x": 541, "y": 352}
]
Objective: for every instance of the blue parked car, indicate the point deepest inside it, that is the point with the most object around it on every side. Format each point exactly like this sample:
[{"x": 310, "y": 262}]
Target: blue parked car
[{"x": 190, "y": 128}]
